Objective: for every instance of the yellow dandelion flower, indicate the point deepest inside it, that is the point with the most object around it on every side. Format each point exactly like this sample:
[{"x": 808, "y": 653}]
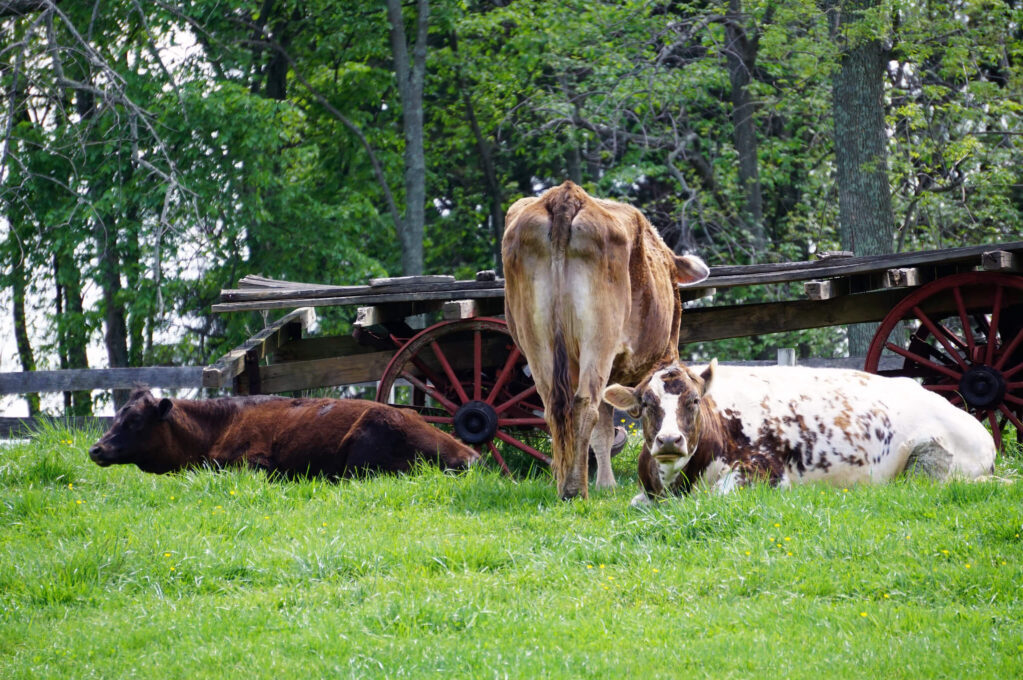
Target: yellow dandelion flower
[
  {"x": 602, "y": 566},
  {"x": 789, "y": 554},
  {"x": 70, "y": 486},
  {"x": 886, "y": 596},
  {"x": 967, "y": 565},
  {"x": 219, "y": 507},
  {"x": 79, "y": 501},
  {"x": 1003, "y": 563},
  {"x": 266, "y": 516},
  {"x": 657, "y": 571},
  {"x": 172, "y": 497},
  {"x": 233, "y": 492},
  {"x": 173, "y": 569},
  {"x": 788, "y": 538},
  {"x": 166, "y": 554},
  {"x": 747, "y": 552},
  {"x": 324, "y": 524},
  {"x": 771, "y": 539},
  {"x": 589, "y": 566},
  {"x": 776, "y": 525},
  {"x": 847, "y": 491},
  {"x": 944, "y": 552},
  {"x": 863, "y": 614}
]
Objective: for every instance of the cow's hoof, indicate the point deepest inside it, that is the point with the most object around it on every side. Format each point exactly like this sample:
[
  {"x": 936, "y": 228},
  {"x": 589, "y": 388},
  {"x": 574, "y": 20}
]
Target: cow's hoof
[
  {"x": 620, "y": 440},
  {"x": 641, "y": 500}
]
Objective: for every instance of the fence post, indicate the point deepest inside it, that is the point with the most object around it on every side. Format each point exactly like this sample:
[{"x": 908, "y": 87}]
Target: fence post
[{"x": 786, "y": 356}]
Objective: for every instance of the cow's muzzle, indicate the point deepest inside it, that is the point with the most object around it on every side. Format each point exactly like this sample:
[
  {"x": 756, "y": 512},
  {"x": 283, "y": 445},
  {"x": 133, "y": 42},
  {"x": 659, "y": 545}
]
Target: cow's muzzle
[{"x": 101, "y": 455}]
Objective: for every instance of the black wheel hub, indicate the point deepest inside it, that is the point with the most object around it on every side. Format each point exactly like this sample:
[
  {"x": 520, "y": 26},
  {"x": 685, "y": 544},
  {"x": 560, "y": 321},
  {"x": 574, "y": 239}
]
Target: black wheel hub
[
  {"x": 475, "y": 422},
  {"x": 982, "y": 386}
]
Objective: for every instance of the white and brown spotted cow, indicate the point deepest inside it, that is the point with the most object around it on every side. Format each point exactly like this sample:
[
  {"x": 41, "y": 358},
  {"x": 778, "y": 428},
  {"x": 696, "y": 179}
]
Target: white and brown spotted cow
[{"x": 728, "y": 425}]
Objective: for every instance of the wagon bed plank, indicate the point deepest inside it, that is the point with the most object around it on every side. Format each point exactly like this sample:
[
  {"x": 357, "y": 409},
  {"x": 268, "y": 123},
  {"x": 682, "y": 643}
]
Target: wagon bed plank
[{"x": 256, "y": 293}]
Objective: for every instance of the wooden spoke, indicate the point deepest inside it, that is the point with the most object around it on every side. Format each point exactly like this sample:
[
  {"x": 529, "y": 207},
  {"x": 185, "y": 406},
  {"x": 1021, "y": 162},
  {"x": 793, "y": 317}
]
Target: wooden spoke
[
  {"x": 992, "y": 336},
  {"x": 449, "y": 372},
  {"x": 1011, "y": 417},
  {"x": 996, "y": 432},
  {"x": 936, "y": 332},
  {"x": 431, "y": 391},
  {"x": 1008, "y": 351},
  {"x": 477, "y": 365},
  {"x": 505, "y": 375},
  {"x": 924, "y": 362},
  {"x": 507, "y": 438},
  {"x": 499, "y": 458},
  {"x": 961, "y": 310},
  {"x": 516, "y": 399}
]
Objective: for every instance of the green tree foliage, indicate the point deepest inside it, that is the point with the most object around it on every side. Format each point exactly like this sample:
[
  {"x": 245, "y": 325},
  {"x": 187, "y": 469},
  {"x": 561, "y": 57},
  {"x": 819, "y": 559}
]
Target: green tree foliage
[{"x": 182, "y": 145}]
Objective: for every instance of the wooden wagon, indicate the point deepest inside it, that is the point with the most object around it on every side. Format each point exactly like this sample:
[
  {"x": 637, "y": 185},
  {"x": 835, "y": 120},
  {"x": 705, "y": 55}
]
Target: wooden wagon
[{"x": 951, "y": 318}]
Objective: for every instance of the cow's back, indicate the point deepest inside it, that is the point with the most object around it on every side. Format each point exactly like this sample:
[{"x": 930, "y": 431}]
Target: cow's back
[{"x": 847, "y": 426}]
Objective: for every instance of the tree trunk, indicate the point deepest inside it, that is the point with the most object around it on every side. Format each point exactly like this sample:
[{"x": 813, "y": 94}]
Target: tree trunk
[
  {"x": 72, "y": 332},
  {"x": 410, "y": 89},
  {"x": 866, "y": 222},
  {"x": 490, "y": 180},
  {"x": 25, "y": 354},
  {"x": 740, "y": 56}
]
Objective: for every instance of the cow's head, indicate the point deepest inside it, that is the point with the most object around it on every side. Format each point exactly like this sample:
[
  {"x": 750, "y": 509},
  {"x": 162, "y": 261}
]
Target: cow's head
[
  {"x": 670, "y": 403},
  {"x": 137, "y": 434}
]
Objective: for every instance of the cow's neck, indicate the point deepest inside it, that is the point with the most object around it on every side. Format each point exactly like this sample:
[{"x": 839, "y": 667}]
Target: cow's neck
[
  {"x": 196, "y": 426},
  {"x": 711, "y": 444}
]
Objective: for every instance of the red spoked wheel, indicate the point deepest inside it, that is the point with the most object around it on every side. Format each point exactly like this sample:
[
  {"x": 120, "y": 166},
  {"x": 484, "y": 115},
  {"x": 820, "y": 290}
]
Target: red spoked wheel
[
  {"x": 965, "y": 342},
  {"x": 469, "y": 375}
]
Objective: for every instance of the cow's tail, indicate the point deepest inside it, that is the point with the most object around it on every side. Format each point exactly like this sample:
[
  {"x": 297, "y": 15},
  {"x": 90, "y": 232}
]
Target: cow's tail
[
  {"x": 562, "y": 204},
  {"x": 561, "y": 402}
]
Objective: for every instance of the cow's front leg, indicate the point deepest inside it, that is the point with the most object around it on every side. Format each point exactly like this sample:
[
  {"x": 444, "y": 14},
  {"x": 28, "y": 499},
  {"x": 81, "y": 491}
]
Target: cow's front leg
[{"x": 600, "y": 442}]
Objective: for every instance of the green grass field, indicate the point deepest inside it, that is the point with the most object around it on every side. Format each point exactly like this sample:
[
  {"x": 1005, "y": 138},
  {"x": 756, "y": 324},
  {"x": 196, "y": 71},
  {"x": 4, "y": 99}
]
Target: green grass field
[{"x": 112, "y": 573}]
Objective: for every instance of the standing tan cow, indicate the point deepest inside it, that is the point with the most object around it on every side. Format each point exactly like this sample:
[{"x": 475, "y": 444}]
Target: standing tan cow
[{"x": 590, "y": 297}]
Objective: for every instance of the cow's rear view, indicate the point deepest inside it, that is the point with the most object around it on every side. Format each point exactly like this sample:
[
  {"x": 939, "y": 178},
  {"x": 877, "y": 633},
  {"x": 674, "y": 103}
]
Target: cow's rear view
[{"x": 590, "y": 296}]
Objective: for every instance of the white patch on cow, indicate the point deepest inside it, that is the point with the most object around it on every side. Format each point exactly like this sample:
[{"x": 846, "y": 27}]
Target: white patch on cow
[
  {"x": 669, "y": 438},
  {"x": 669, "y": 472}
]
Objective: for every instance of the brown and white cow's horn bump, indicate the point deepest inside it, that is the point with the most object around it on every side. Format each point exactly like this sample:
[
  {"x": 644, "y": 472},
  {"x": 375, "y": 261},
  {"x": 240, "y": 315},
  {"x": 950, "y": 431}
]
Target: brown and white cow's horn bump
[{"x": 708, "y": 374}]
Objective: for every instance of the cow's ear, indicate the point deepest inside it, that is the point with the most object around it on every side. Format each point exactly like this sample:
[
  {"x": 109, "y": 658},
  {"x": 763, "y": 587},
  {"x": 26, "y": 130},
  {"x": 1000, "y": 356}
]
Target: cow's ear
[
  {"x": 690, "y": 269},
  {"x": 708, "y": 374},
  {"x": 163, "y": 409},
  {"x": 623, "y": 398}
]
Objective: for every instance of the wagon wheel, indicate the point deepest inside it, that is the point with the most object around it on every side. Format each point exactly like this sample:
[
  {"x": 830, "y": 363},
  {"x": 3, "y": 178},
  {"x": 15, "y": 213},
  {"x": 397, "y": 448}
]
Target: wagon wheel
[
  {"x": 474, "y": 379},
  {"x": 966, "y": 344}
]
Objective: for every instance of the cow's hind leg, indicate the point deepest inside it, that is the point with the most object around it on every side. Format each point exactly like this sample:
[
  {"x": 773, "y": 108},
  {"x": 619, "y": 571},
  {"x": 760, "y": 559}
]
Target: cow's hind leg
[
  {"x": 929, "y": 457},
  {"x": 576, "y": 479},
  {"x": 601, "y": 441}
]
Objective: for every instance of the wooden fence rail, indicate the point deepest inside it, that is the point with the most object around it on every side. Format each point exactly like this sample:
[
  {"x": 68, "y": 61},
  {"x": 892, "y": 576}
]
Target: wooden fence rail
[{"x": 168, "y": 377}]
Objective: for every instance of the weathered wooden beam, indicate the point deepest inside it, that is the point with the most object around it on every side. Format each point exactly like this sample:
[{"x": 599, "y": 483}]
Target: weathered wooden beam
[
  {"x": 459, "y": 309},
  {"x": 11, "y": 428},
  {"x": 737, "y": 321},
  {"x": 438, "y": 296},
  {"x": 826, "y": 289},
  {"x": 229, "y": 366},
  {"x": 1000, "y": 261},
  {"x": 902, "y": 277},
  {"x": 414, "y": 281},
  {"x": 71, "y": 380},
  {"x": 328, "y": 372}
]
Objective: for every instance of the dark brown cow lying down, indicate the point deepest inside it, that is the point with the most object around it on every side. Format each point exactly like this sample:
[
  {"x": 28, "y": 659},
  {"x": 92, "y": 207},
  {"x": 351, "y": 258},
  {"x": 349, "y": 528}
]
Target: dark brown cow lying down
[{"x": 329, "y": 437}]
